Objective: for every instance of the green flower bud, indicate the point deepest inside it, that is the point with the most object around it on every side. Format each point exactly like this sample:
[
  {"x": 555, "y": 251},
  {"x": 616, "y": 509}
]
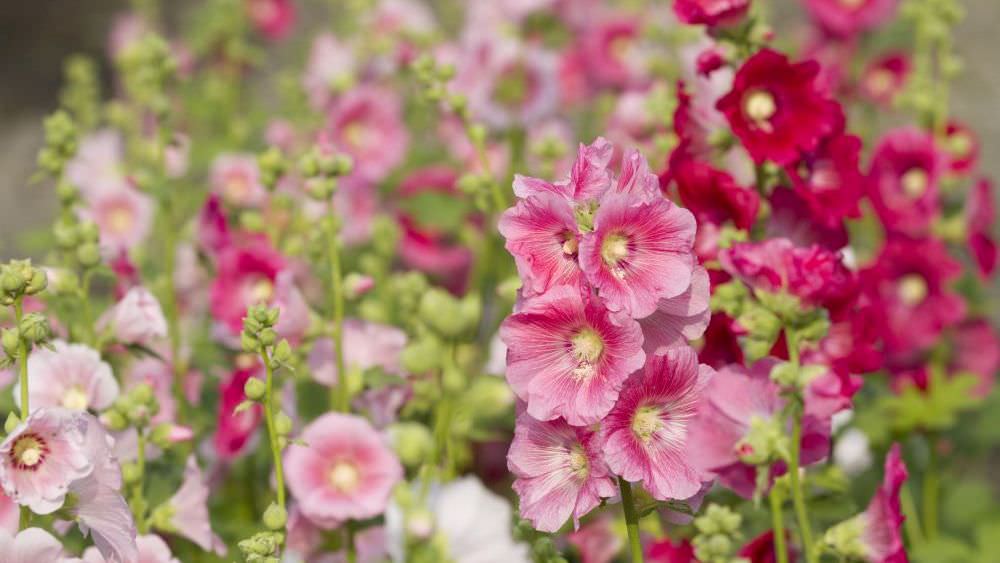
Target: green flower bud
[
  {"x": 160, "y": 436},
  {"x": 11, "y": 339},
  {"x": 275, "y": 517},
  {"x": 131, "y": 473},
  {"x": 845, "y": 540},
  {"x": 141, "y": 394},
  {"x": 453, "y": 379},
  {"x": 34, "y": 328},
  {"x": 66, "y": 235},
  {"x": 114, "y": 420},
  {"x": 248, "y": 342},
  {"x": 267, "y": 336},
  {"x": 11, "y": 423},
  {"x": 282, "y": 352},
  {"x": 88, "y": 254},
  {"x": 421, "y": 356},
  {"x": 442, "y": 312},
  {"x": 12, "y": 281},
  {"x": 254, "y": 389},
  {"x": 309, "y": 165},
  {"x": 38, "y": 282},
  {"x": 89, "y": 232},
  {"x": 282, "y": 423},
  {"x": 252, "y": 220},
  {"x": 412, "y": 441}
]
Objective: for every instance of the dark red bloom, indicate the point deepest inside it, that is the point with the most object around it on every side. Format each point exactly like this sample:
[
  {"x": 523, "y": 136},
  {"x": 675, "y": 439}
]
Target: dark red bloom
[
  {"x": 722, "y": 345},
  {"x": 777, "y": 109},
  {"x": 235, "y": 429},
  {"x": 885, "y": 77},
  {"x": 761, "y": 549},
  {"x": 830, "y": 181},
  {"x": 710, "y": 60},
  {"x": 845, "y": 18},
  {"x": 710, "y": 12},
  {"x": 793, "y": 218},
  {"x": 980, "y": 213},
  {"x": 666, "y": 551},
  {"x": 962, "y": 146},
  {"x": 903, "y": 181}
]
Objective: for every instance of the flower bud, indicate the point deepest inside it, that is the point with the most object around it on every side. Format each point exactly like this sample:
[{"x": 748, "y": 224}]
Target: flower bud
[
  {"x": 89, "y": 231},
  {"x": 11, "y": 423},
  {"x": 114, "y": 420},
  {"x": 38, "y": 282},
  {"x": 34, "y": 328},
  {"x": 141, "y": 394},
  {"x": 66, "y": 235},
  {"x": 282, "y": 352},
  {"x": 267, "y": 336},
  {"x": 11, "y": 339},
  {"x": 412, "y": 441},
  {"x": 282, "y": 423},
  {"x": 275, "y": 517},
  {"x": 248, "y": 342},
  {"x": 130, "y": 473},
  {"x": 421, "y": 356},
  {"x": 254, "y": 389},
  {"x": 88, "y": 254}
]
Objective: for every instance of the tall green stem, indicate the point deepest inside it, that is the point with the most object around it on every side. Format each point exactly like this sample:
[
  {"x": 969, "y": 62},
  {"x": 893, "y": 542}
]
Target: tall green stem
[
  {"x": 138, "y": 499},
  {"x": 798, "y": 497},
  {"x": 170, "y": 307},
  {"x": 931, "y": 489},
  {"x": 778, "y": 523},
  {"x": 631, "y": 520},
  {"x": 22, "y": 359},
  {"x": 272, "y": 432},
  {"x": 912, "y": 521},
  {"x": 340, "y": 397}
]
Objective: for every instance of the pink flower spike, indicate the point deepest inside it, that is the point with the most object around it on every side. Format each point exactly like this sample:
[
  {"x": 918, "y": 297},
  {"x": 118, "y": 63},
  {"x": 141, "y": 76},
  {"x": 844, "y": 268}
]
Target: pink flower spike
[
  {"x": 560, "y": 472},
  {"x": 568, "y": 356},
  {"x": 645, "y": 436},
  {"x": 71, "y": 376},
  {"x": 639, "y": 252}
]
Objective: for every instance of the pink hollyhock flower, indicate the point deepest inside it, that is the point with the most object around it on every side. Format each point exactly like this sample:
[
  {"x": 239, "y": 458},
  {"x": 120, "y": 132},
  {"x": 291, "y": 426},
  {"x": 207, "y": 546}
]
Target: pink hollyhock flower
[
  {"x": 366, "y": 345},
  {"x": 608, "y": 50},
  {"x": 908, "y": 283},
  {"x": 331, "y": 65},
  {"x": 666, "y": 551},
  {"x": 962, "y": 146},
  {"x": 829, "y": 180},
  {"x": 345, "y": 471},
  {"x": 508, "y": 82},
  {"x": 233, "y": 430},
  {"x": 97, "y": 166},
  {"x": 236, "y": 179},
  {"x": 721, "y": 345},
  {"x": 710, "y": 12},
  {"x": 903, "y": 181},
  {"x": 845, "y": 19},
  {"x": 9, "y": 514},
  {"x": 272, "y": 18},
  {"x": 762, "y": 549},
  {"x": 597, "y": 541},
  {"x": 560, "y": 473},
  {"x": 814, "y": 274},
  {"x": 678, "y": 320},
  {"x": 246, "y": 275},
  {"x": 123, "y": 216},
  {"x": 881, "y": 521},
  {"x": 638, "y": 253},
  {"x": 213, "y": 233},
  {"x": 793, "y": 217},
  {"x": 588, "y": 180},
  {"x": 137, "y": 318},
  {"x": 189, "y": 510},
  {"x": 645, "y": 436},
  {"x": 151, "y": 549},
  {"x": 543, "y": 238},
  {"x": 777, "y": 109},
  {"x": 884, "y": 78},
  {"x": 980, "y": 212},
  {"x": 568, "y": 356},
  {"x": 293, "y": 318},
  {"x": 31, "y": 545},
  {"x": 72, "y": 376},
  {"x": 977, "y": 351},
  {"x": 367, "y": 124}
]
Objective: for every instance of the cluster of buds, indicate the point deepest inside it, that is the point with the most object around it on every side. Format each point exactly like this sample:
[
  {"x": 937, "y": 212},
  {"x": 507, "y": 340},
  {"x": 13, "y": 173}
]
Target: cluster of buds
[
  {"x": 19, "y": 278},
  {"x": 718, "y": 535},
  {"x": 262, "y": 547},
  {"x": 273, "y": 165},
  {"x": 398, "y": 304},
  {"x": 61, "y": 142},
  {"x": 134, "y": 408},
  {"x": 321, "y": 168},
  {"x": 259, "y": 336},
  {"x": 433, "y": 80},
  {"x": 147, "y": 67},
  {"x": 79, "y": 240},
  {"x": 82, "y": 94}
]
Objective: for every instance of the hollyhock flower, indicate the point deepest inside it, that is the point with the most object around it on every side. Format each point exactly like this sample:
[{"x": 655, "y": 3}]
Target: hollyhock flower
[
  {"x": 588, "y": 180},
  {"x": 345, "y": 471},
  {"x": 272, "y": 18},
  {"x": 903, "y": 180},
  {"x": 908, "y": 283},
  {"x": 980, "y": 212},
  {"x": 777, "y": 109},
  {"x": 97, "y": 166},
  {"x": 560, "y": 473},
  {"x": 542, "y": 236},
  {"x": 977, "y": 351},
  {"x": 137, "y": 318},
  {"x": 31, "y": 545},
  {"x": 293, "y": 318},
  {"x": 710, "y": 12},
  {"x": 72, "y": 376},
  {"x": 568, "y": 356},
  {"x": 366, "y": 345},
  {"x": 608, "y": 49},
  {"x": 762, "y": 548},
  {"x": 213, "y": 233},
  {"x": 9, "y": 514},
  {"x": 245, "y": 276},
  {"x": 644, "y": 437},
  {"x": 356, "y": 205},
  {"x": 962, "y": 146},
  {"x": 830, "y": 181},
  {"x": 366, "y": 123},
  {"x": 721, "y": 344},
  {"x": 331, "y": 65},
  {"x": 234, "y": 429},
  {"x": 236, "y": 179},
  {"x": 678, "y": 320},
  {"x": 123, "y": 216},
  {"x": 188, "y": 510},
  {"x": 846, "y": 18},
  {"x": 884, "y": 78},
  {"x": 813, "y": 274},
  {"x": 508, "y": 82},
  {"x": 475, "y": 523},
  {"x": 151, "y": 549},
  {"x": 638, "y": 253},
  {"x": 666, "y": 551},
  {"x": 793, "y": 217},
  {"x": 597, "y": 541}
]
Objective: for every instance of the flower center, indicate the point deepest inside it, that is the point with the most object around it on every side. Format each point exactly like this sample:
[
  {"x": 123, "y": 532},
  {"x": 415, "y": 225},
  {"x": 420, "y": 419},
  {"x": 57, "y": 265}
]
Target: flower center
[
  {"x": 570, "y": 245},
  {"x": 880, "y": 82},
  {"x": 646, "y": 423},
  {"x": 29, "y": 451},
  {"x": 357, "y": 135},
  {"x": 914, "y": 182},
  {"x": 852, "y": 4},
  {"x": 261, "y": 291},
  {"x": 912, "y": 289},
  {"x": 514, "y": 86},
  {"x": 587, "y": 349},
  {"x": 578, "y": 463},
  {"x": 614, "y": 250},
  {"x": 959, "y": 145},
  {"x": 344, "y": 477},
  {"x": 237, "y": 187},
  {"x": 759, "y": 106},
  {"x": 75, "y": 399},
  {"x": 120, "y": 219}
]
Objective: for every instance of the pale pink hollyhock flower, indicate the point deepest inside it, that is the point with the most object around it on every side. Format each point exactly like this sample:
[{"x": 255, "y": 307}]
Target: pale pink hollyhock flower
[
  {"x": 567, "y": 356},
  {"x": 331, "y": 65},
  {"x": 508, "y": 82},
  {"x": 138, "y": 318},
  {"x": 272, "y": 18},
  {"x": 645, "y": 436},
  {"x": 9, "y": 515},
  {"x": 124, "y": 217},
  {"x": 32, "y": 545},
  {"x": 97, "y": 166},
  {"x": 881, "y": 521},
  {"x": 367, "y": 124},
  {"x": 236, "y": 178},
  {"x": 345, "y": 470},
  {"x": 293, "y": 320},
  {"x": 189, "y": 510},
  {"x": 72, "y": 376},
  {"x": 152, "y": 549},
  {"x": 560, "y": 472},
  {"x": 679, "y": 320},
  {"x": 597, "y": 541},
  {"x": 366, "y": 345}
]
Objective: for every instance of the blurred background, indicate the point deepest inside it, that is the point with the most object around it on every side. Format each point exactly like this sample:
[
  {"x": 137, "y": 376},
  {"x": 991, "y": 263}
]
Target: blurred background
[{"x": 36, "y": 36}]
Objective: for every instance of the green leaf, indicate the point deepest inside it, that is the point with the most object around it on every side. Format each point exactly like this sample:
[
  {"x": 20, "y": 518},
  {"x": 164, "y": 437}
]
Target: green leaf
[{"x": 942, "y": 550}]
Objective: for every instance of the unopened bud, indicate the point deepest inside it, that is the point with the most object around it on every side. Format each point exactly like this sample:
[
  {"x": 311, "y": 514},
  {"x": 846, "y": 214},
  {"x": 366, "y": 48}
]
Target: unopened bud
[
  {"x": 275, "y": 517},
  {"x": 254, "y": 389}
]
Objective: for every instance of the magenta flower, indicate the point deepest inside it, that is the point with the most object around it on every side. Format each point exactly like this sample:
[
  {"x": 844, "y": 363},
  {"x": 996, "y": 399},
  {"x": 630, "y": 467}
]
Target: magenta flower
[
  {"x": 234, "y": 429},
  {"x": 679, "y": 320},
  {"x": 588, "y": 180},
  {"x": 137, "y": 318},
  {"x": 31, "y": 545},
  {"x": 829, "y": 180},
  {"x": 272, "y": 18},
  {"x": 845, "y": 19},
  {"x": 884, "y": 78},
  {"x": 246, "y": 276},
  {"x": 560, "y": 472},
  {"x": 962, "y": 146},
  {"x": 608, "y": 51},
  {"x": 903, "y": 181},
  {"x": 645, "y": 436},
  {"x": 568, "y": 356},
  {"x": 980, "y": 212},
  {"x": 236, "y": 179},
  {"x": 881, "y": 521},
  {"x": 366, "y": 345},
  {"x": 345, "y": 470},
  {"x": 366, "y": 123},
  {"x": 777, "y": 109},
  {"x": 72, "y": 376},
  {"x": 710, "y": 12}
]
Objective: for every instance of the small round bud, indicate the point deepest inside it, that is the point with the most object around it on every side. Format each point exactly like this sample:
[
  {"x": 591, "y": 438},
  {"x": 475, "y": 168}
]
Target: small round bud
[
  {"x": 130, "y": 473},
  {"x": 89, "y": 231},
  {"x": 88, "y": 254},
  {"x": 114, "y": 420},
  {"x": 267, "y": 336},
  {"x": 34, "y": 328},
  {"x": 11, "y": 423},
  {"x": 275, "y": 517},
  {"x": 12, "y": 281},
  {"x": 11, "y": 340},
  {"x": 141, "y": 394},
  {"x": 282, "y": 352},
  {"x": 254, "y": 389},
  {"x": 248, "y": 342},
  {"x": 38, "y": 282},
  {"x": 282, "y": 424}
]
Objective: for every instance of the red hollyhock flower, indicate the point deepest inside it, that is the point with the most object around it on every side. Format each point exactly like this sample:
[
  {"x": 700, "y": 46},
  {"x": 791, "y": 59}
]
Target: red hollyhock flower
[
  {"x": 235, "y": 429},
  {"x": 710, "y": 12},
  {"x": 845, "y": 18},
  {"x": 962, "y": 146},
  {"x": 762, "y": 548},
  {"x": 980, "y": 214},
  {"x": 793, "y": 218},
  {"x": 829, "y": 180},
  {"x": 777, "y": 109},
  {"x": 246, "y": 276},
  {"x": 885, "y": 77},
  {"x": 903, "y": 181},
  {"x": 666, "y": 551},
  {"x": 273, "y": 18}
]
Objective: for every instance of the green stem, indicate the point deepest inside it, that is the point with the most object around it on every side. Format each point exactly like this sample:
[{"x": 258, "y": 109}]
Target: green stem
[
  {"x": 631, "y": 520},
  {"x": 138, "y": 500},
  {"x": 272, "y": 432},
  {"x": 912, "y": 521},
  {"x": 349, "y": 548},
  {"x": 340, "y": 397},
  {"x": 22, "y": 359},
  {"x": 932, "y": 487},
  {"x": 778, "y": 523},
  {"x": 798, "y": 498},
  {"x": 170, "y": 307}
]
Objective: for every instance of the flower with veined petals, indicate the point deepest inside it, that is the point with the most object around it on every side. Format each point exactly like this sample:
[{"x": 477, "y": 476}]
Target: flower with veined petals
[
  {"x": 152, "y": 549},
  {"x": 272, "y": 18},
  {"x": 645, "y": 436},
  {"x": 588, "y": 179},
  {"x": 137, "y": 318},
  {"x": 710, "y": 12},
  {"x": 903, "y": 181},
  {"x": 72, "y": 376},
  {"x": 188, "y": 510},
  {"x": 568, "y": 356},
  {"x": 846, "y": 18},
  {"x": 560, "y": 472},
  {"x": 31, "y": 545},
  {"x": 236, "y": 179},
  {"x": 345, "y": 470},
  {"x": 679, "y": 320},
  {"x": 542, "y": 236},
  {"x": 777, "y": 109},
  {"x": 366, "y": 123}
]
